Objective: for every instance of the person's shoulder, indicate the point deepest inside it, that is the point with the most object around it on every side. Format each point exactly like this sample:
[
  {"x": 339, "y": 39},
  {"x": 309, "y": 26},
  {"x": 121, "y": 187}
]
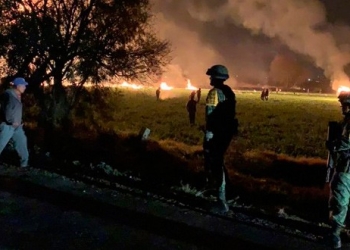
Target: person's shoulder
[
  {"x": 213, "y": 92},
  {"x": 214, "y": 89},
  {"x": 227, "y": 87}
]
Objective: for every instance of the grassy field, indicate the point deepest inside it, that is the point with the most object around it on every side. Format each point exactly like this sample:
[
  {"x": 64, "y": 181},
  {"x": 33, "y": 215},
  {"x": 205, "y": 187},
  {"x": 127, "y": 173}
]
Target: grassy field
[
  {"x": 290, "y": 124},
  {"x": 277, "y": 161}
]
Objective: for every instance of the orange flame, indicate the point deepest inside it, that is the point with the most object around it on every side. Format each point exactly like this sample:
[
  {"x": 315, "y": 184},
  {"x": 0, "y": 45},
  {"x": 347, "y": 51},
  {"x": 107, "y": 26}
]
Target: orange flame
[
  {"x": 132, "y": 85},
  {"x": 189, "y": 85},
  {"x": 164, "y": 86},
  {"x": 343, "y": 88}
]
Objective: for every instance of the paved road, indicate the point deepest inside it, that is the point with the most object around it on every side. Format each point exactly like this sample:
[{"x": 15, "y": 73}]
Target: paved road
[
  {"x": 34, "y": 224},
  {"x": 51, "y": 212},
  {"x": 35, "y": 217}
]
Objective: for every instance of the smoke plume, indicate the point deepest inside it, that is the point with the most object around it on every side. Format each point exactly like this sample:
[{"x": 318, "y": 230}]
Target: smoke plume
[
  {"x": 216, "y": 31},
  {"x": 190, "y": 56}
]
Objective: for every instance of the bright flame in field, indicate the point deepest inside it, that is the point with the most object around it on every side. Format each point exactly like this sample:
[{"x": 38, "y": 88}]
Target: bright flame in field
[
  {"x": 189, "y": 85},
  {"x": 133, "y": 85},
  {"x": 343, "y": 88},
  {"x": 164, "y": 86}
]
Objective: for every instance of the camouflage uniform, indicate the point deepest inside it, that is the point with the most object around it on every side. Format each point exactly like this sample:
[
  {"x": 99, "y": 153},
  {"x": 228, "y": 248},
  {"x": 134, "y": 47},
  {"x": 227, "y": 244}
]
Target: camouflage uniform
[
  {"x": 220, "y": 128},
  {"x": 340, "y": 184}
]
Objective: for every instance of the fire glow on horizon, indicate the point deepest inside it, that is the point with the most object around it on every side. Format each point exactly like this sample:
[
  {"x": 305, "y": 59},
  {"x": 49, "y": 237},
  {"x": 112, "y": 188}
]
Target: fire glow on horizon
[
  {"x": 132, "y": 85},
  {"x": 162, "y": 86},
  {"x": 189, "y": 85},
  {"x": 343, "y": 88}
]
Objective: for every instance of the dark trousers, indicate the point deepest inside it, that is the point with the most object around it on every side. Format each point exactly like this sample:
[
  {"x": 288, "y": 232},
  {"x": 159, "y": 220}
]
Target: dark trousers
[
  {"x": 192, "y": 117},
  {"x": 214, "y": 153}
]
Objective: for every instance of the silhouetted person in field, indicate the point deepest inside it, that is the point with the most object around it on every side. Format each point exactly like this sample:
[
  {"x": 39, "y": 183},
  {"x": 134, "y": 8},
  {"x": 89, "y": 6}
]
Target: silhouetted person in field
[
  {"x": 221, "y": 126},
  {"x": 191, "y": 107},
  {"x": 192, "y": 95},
  {"x": 158, "y": 93},
  {"x": 199, "y": 93},
  {"x": 340, "y": 182},
  {"x": 264, "y": 94}
]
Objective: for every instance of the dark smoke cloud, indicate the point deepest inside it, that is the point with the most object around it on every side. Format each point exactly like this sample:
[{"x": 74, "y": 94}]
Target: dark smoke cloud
[{"x": 247, "y": 35}]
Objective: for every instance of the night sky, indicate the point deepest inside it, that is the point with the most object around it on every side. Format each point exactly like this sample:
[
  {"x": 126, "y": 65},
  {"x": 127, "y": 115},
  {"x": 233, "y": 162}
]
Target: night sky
[{"x": 247, "y": 35}]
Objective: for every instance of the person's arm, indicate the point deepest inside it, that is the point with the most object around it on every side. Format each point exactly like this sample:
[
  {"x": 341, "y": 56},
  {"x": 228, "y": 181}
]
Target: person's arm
[{"x": 211, "y": 102}]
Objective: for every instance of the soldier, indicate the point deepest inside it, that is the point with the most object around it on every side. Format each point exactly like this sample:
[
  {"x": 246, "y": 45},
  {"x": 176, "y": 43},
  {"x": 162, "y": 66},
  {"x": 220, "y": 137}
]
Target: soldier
[
  {"x": 11, "y": 120},
  {"x": 221, "y": 126},
  {"x": 340, "y": 183},
  {"x": 191, "y": 109}
]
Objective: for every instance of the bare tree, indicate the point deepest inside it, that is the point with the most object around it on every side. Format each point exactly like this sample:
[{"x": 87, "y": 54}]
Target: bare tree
[{"x": 77, "y": 41}]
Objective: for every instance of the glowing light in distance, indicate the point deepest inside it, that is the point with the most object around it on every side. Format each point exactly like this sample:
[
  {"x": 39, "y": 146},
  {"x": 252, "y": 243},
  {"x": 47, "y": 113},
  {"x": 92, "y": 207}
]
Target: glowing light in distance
[{"x": 164, "y": 86}]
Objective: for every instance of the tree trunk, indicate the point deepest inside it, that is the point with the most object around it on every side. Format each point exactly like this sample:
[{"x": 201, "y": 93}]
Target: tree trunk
[
  {"x": 59, "y": 106},
  {"x": 55, "y": 113}
]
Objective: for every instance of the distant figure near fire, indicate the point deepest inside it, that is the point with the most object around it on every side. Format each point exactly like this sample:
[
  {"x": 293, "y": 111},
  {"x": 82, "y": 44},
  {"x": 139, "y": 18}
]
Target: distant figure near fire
[
  {"x": 265, "y": 94},
  {"x": 199, "y": 93},
  {"x": 191, "y": 109},
  {"x": 158, "y": 93}
]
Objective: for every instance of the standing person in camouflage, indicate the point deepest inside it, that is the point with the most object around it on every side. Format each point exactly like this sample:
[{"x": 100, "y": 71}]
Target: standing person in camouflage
[
  {"x": 340, "y": 183},
  {"x": 221, "y": 125}
]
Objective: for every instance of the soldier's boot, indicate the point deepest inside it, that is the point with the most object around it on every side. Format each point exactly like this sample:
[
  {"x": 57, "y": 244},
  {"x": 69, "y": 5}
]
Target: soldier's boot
[
  {"x": 335, "y": 240},
  {"x": 221, "y": 205}
]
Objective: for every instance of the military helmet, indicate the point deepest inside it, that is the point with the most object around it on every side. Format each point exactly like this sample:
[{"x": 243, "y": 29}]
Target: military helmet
[
  {"x": 218, "y": 71},
  {"x": 344, "y": 97}
]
